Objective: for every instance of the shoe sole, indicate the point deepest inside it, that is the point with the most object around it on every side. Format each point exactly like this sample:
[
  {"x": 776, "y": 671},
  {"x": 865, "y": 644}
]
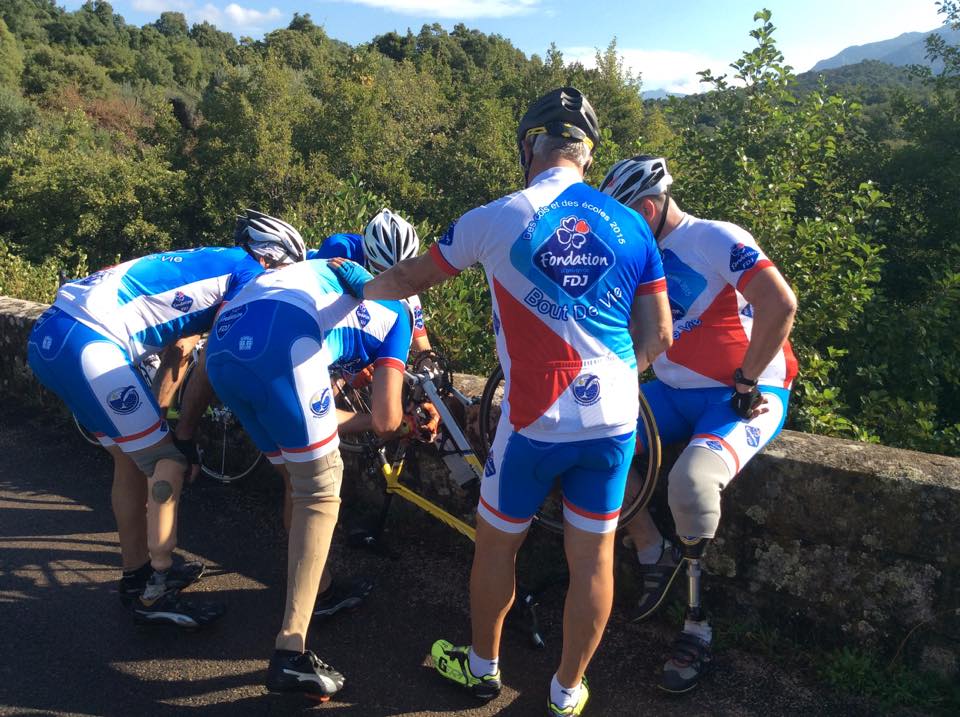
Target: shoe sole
[
  {"x": 666, "y": 591},
  {"x": 312, "y": 696}
]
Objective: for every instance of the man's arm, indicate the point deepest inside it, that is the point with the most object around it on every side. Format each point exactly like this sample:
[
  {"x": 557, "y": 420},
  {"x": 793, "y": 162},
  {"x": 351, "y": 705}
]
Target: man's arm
[
  {"x": 651, "y": 327},
  {"x": 173, "y": 364},
  {"x": 386, "y": 412},
  {"x": 196, "y": 398},
  {"x": 774, "y": 306},
  {"x": 409, "y": 277}
]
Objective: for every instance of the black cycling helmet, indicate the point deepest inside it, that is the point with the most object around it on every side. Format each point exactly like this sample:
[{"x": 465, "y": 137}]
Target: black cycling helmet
[{"x": 563, "y": 112}]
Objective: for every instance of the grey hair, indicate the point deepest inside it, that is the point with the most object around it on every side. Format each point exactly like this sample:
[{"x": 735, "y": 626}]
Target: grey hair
[{"x": 545, "y": 146}]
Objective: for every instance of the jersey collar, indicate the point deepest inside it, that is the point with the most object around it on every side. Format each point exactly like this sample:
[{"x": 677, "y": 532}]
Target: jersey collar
[{"x": 557, "y": 172}]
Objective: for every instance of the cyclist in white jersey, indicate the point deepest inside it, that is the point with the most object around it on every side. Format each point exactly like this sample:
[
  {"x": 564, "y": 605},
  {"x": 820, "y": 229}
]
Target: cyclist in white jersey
[
  {"x": 85, "y": 348},
  {"x": 722, "y": 387},
  {"x": 578, "y": 298},
  {"x": 268, "y": 357}
]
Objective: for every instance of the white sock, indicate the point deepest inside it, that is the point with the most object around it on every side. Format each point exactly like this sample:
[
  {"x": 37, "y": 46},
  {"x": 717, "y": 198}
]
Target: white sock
[
  {"x": 563, "y": 697},
  {"x": 480, "y": 667},
  {"x": 700, "y": 629},
  {"x": 650, "y": 555}
]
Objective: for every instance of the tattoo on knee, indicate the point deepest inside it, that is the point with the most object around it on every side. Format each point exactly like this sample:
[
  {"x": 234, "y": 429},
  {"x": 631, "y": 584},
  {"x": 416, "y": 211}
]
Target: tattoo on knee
[{"x": 162, "y": 491}]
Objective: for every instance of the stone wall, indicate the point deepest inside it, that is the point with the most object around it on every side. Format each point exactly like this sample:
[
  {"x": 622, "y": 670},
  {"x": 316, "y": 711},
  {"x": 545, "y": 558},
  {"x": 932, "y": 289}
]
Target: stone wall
[{"x": 835, "y": 541}]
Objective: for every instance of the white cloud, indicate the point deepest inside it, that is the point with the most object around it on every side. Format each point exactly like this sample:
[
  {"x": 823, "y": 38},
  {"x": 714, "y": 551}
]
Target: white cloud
[
  {"x": 159, "y": 6},
  {"x": 454, "y": 9},
  {"x": 659, "y": 69}
]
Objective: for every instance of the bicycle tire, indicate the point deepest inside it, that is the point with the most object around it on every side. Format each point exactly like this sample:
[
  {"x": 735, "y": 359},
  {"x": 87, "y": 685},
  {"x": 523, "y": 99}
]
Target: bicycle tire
[
  {"x": 550, "y": 515},
  {"x": 87, "y": 435},
  {"x": 226, "y": 452},
  {"x": 356, "y": 399}
]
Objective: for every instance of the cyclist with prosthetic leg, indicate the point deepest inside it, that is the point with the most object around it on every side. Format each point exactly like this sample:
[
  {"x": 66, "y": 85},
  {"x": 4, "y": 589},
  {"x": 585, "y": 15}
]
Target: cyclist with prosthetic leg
[
  {"x": 578, "y": 294},
  {"x": 269, "y": 357},
  {"x": 85, "y": 348},
  {"x": 723, "y": 386}
]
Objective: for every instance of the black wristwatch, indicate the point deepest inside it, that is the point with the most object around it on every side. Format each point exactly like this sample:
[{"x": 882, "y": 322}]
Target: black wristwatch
[{"x": 738, "y": 377}]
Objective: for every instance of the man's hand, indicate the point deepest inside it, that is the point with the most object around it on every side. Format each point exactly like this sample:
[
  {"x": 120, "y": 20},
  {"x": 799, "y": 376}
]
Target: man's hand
[
  {"x": 748, "y": 404},
  {"x": 352, "y": 276},
  {"x": 364, "y": 377},
  {"x": 188, "y": 447}
]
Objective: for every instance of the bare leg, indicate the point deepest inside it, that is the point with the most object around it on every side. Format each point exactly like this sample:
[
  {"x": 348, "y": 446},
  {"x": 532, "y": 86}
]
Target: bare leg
[
  {"x": 163, "y": 489},
  {"x": 642, "y": 531},
  {"x": 589, "y": 600},
  {"x": 129, "y": 500},
  {"x": 492, "y": 585}
]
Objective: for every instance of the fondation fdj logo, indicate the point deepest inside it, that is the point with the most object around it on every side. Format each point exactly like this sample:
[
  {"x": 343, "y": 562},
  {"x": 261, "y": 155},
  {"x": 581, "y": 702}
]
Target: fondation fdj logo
[
  {"x": 573, "y": 257},
  {"x": 124, "y": 400}
]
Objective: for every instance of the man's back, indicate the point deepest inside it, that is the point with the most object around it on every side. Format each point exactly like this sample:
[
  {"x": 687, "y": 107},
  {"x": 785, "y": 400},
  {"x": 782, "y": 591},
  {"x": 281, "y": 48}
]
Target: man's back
[
  {"x": 354, "y": 332},
  {"x": 146, "y": 303},
  {"x": 564, "y": 263}
]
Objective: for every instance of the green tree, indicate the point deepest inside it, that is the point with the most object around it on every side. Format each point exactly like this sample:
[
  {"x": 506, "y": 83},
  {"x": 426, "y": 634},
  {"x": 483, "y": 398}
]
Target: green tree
[
  {"x": 756, "y": 154},
  {"x": 64, "y": 194},
  {"x": 11, "y": 58}
]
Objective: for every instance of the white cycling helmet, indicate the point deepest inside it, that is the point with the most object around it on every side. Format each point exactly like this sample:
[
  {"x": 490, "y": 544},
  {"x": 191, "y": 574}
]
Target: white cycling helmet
[
  {"x": 387, "y": 240},
  {"x": 641, "y": 176},
  {"x": 266, "y": 236}
]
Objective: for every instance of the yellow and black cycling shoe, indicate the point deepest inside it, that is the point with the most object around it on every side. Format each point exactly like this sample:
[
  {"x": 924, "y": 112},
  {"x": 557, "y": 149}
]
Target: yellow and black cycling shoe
[{"x": 454, "y": 664}]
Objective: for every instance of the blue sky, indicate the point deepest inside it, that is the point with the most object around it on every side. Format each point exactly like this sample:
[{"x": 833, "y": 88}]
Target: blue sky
[{"x": 667, "y": 42}]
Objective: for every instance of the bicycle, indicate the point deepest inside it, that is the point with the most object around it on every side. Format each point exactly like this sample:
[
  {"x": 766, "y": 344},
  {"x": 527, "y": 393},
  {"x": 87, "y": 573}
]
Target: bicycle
[{"x": 226, "y": 453}]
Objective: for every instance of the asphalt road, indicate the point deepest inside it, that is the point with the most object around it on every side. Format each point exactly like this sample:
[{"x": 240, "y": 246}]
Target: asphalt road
[{"x": 68, "y": 647}]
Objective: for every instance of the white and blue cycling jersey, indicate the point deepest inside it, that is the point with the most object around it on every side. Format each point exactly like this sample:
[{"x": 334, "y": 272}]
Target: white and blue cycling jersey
[
  {"x": 269, "y": 355},
  {"x": 85, "y": 346},
  {"x": 145, "y": 304}
]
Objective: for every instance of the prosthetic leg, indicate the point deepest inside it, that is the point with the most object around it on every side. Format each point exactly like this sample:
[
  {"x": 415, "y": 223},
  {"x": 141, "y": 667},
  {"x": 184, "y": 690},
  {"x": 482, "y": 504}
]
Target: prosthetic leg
[
  {"x": 690, "y": 657},
  {"x": 693, "y": 550}
]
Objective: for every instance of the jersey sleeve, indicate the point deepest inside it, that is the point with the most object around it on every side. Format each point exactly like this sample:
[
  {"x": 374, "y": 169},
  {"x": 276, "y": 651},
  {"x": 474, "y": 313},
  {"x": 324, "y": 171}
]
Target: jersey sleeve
[
  {"x": 396, "y": 344},
  {"x": 652, "y": 278},
  {"x": 462, "y": 243},
  {"x": 244, "y": 273},
  {"x": 419, "y": 326},
  {"x": 734, "y": 254}
]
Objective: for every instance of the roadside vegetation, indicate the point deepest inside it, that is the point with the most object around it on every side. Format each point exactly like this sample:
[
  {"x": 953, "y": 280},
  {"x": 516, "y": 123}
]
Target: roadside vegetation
[{"x": 117, "y": 140}]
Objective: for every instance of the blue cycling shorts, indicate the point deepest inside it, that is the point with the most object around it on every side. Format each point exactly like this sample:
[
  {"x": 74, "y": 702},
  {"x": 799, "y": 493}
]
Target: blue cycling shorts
[
  {"x": 267, "y": 362},
  {"x": 94, "y": 377},
  {"x": 520, "y": 472},
  {"x": 704, "y": 417}
]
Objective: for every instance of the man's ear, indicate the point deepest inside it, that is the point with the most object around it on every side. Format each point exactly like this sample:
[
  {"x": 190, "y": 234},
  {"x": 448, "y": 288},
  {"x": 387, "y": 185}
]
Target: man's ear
[{"x": 647, "y": 209}]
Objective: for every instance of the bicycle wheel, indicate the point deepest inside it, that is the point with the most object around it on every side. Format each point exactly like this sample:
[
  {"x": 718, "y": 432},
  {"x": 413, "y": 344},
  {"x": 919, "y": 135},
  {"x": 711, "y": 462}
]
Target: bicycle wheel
[
  {"x": 646, "y": 464},
  {"x": 87, "y": 435},
  {"x": 349, "y": 398},
  {"x": 226, "y": 452}
]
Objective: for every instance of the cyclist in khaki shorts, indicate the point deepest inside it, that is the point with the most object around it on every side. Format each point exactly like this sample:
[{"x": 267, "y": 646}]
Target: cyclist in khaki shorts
[{"x": 268, "y": 358}]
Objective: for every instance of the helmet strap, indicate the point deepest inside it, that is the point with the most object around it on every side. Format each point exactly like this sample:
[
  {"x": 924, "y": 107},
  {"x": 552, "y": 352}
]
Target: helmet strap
[{"x": 663, "y": 215}]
